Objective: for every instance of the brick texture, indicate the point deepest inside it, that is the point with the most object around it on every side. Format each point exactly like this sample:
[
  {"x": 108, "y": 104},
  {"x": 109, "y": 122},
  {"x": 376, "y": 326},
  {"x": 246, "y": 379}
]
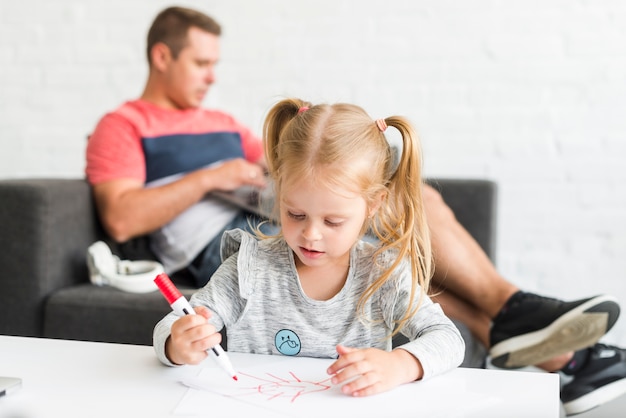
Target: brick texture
[{"x": 531, "y": 94}]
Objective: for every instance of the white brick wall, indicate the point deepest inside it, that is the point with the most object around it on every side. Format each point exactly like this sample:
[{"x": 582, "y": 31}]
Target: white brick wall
[{"x": 531, "y": 94}]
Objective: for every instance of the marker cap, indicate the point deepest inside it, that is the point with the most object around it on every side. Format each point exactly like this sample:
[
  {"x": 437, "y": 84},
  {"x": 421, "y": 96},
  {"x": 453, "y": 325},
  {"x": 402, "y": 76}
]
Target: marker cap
[{"x": 166, "y": 287}]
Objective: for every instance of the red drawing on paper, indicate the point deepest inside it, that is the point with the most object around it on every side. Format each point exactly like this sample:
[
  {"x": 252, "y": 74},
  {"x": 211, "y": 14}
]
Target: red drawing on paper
[{"x": 274, "y": 387}]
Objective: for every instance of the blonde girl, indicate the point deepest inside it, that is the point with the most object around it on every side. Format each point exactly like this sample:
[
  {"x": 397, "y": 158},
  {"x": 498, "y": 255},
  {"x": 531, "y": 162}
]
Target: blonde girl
[{"x": 317, "y": 288}]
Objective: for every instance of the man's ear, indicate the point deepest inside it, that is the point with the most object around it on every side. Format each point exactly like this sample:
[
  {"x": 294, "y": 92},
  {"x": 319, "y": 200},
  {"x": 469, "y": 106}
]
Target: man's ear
[{"x": 161, "y": 56}]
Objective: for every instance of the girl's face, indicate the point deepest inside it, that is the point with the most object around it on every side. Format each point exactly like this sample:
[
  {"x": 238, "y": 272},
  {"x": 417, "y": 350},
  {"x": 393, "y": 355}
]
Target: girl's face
[{"x": 321, "y": 225}]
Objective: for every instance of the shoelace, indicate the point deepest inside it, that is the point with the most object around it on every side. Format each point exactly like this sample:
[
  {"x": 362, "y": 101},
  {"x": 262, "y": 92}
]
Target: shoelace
[{"x": 603, "y": 349}]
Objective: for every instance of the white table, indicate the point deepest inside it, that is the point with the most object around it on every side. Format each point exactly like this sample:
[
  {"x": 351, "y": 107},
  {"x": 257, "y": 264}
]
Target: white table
[{"x": 84, "y": 379}]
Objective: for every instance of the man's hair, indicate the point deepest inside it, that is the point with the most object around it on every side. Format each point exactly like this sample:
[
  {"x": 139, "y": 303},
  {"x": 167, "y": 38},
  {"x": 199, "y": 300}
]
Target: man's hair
[{"x": 172, "y": 24}]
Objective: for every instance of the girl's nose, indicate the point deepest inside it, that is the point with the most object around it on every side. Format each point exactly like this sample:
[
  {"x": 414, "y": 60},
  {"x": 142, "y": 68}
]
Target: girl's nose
[{"x": 311, "y": 232}]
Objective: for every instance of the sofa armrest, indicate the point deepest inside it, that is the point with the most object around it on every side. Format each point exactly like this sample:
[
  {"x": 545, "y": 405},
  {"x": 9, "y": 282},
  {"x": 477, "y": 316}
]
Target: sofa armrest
[
  {"x": 46, "y": 226},
  {"x": 474, "y": 203}
]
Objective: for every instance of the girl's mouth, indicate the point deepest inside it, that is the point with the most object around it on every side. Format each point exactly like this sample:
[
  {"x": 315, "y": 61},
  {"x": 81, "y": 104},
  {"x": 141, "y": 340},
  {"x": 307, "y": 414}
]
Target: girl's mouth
[{"x": 310, "y": 253}]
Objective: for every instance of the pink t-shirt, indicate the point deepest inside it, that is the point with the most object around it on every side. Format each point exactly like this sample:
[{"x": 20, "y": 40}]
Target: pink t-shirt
[
  {"x": 142, "y": 141},
  {"x": 156, "y": 146}
]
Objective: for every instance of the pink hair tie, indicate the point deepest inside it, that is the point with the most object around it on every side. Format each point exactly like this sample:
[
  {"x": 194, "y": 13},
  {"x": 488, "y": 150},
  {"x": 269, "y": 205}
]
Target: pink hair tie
[
  {"x": 382, "y": 125},
  {"x": 303, "y": 109}
]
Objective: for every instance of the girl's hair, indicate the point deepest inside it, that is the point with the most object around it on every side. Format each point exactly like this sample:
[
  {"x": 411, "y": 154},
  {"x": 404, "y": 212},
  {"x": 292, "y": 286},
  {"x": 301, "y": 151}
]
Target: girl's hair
[
  {"x": 171, "y": 25},
  {"x": 342, "y": 147}
]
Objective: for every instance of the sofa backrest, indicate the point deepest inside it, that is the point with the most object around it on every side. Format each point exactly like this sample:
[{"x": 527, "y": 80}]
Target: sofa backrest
[
  {"x": 474, "y": 203},
  {"x": 46, "y": 226}
]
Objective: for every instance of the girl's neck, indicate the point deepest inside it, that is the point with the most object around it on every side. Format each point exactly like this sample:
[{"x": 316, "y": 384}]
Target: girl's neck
[{"x": 322, "y": 283}]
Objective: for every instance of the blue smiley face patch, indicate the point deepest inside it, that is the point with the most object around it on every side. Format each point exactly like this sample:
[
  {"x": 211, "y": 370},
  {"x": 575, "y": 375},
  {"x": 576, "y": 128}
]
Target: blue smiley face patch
[{"x": 287, "y": 342}]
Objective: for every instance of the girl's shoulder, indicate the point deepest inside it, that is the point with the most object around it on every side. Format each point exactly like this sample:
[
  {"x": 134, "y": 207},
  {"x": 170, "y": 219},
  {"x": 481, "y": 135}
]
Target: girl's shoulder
[
  {"x": 233, "y": 241},
  {"x": 368, "y": 253},
  {"x": 249, "y": 258},
  {"x": 368, "y": 258},
  {"x": 247, "y": 245}
]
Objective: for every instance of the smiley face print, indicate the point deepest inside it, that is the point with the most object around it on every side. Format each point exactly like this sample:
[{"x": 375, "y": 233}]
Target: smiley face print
[{"x": 287, "y": 342}]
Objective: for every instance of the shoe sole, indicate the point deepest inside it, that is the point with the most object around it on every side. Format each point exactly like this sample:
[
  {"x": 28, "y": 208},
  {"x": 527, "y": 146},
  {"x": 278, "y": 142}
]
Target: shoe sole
[
  {"x": 581, "y": 327},
  {"x": 596, "y": 398}
]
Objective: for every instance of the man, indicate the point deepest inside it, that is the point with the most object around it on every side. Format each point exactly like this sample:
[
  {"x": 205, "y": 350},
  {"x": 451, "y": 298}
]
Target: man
[
  {"x": 137, "y": 154},
  {"x": 153, "y": 161},
  {"x": 521, "y": 328}
]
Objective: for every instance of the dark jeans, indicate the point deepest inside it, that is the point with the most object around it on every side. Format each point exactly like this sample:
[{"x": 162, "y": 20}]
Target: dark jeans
[{"x": 201, "y": 269}]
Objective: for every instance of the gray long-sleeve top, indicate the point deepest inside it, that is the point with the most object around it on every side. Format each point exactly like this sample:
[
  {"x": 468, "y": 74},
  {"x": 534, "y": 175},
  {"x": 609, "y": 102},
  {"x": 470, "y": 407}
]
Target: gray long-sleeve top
[{"x": 257, "y": 296}]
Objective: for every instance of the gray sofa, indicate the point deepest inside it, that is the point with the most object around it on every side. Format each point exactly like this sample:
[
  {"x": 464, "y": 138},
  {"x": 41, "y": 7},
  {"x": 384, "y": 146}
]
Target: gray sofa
[{"x": 46, "y": 226}]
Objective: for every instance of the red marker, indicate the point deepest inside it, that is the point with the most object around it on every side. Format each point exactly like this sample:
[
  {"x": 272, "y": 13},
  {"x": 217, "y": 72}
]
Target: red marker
[{"x": 181, "y": 307}]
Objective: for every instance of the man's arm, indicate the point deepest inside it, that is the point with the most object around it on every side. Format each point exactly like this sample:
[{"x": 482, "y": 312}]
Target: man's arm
[{"x": 128, "y": 209}]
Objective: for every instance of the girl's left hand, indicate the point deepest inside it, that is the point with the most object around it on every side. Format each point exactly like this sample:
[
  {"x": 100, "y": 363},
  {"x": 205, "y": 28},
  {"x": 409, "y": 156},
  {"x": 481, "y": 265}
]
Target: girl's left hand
[{"x": 371, "y": 370}]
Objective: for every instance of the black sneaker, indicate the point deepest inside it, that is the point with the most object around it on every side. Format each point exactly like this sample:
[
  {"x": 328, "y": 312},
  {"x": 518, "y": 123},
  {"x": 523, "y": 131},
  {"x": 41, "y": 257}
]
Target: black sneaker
[
  {"x": 601, "y": 379},
  {"x": 531, "y": 329}
]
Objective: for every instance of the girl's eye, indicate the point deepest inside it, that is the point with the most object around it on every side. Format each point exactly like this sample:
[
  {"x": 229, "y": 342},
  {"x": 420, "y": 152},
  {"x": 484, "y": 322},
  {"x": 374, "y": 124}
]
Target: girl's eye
[
  {"x": 295, "y": 216},
  {"x": 333, "y": 224}
]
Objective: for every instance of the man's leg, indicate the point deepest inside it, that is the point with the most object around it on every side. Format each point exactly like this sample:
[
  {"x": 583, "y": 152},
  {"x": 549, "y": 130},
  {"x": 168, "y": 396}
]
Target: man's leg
[
  {"x": 469, "y": 289},
  {"x": 524, "y": 329},
  {"x": 589, "y": 377},
  {"x": 207, "y": 262},
  {"x": 479, "y": 325},
  {"x": 461, "y": 266}
]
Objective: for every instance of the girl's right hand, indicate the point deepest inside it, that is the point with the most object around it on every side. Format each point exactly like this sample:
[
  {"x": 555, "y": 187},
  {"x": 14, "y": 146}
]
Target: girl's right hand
[{"x": 191, "y": 337}]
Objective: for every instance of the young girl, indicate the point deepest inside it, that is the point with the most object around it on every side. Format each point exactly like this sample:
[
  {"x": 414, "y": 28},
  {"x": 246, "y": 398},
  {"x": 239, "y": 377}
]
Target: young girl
[{"x": 317, "y": 289}]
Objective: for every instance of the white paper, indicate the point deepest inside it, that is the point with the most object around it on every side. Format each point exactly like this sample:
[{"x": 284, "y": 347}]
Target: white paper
[{"x": 300, "y": 387}]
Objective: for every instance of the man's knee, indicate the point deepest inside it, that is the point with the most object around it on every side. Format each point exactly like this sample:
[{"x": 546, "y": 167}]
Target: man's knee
[{"x": 436, "y": 208}]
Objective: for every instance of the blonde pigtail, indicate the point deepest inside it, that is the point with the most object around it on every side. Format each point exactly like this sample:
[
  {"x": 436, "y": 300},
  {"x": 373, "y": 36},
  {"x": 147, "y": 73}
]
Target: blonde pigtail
[
  {"x": 277, "y": 119},
  {"x": 401, "y": 224}
]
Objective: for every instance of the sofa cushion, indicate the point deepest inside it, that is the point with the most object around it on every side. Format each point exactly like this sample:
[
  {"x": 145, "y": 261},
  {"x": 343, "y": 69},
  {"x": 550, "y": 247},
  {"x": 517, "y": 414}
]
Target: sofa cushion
[{"x": 106, "y": 314}]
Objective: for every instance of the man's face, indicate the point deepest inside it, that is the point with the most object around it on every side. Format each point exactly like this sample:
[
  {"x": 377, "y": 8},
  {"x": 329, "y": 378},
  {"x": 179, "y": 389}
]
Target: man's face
[{"x": 189, "y": 76}]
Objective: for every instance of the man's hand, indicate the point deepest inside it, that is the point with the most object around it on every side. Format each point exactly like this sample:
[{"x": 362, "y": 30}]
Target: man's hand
[
  {"x": 238, "y": 172},
  {"x": 127, "y": 208}
]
